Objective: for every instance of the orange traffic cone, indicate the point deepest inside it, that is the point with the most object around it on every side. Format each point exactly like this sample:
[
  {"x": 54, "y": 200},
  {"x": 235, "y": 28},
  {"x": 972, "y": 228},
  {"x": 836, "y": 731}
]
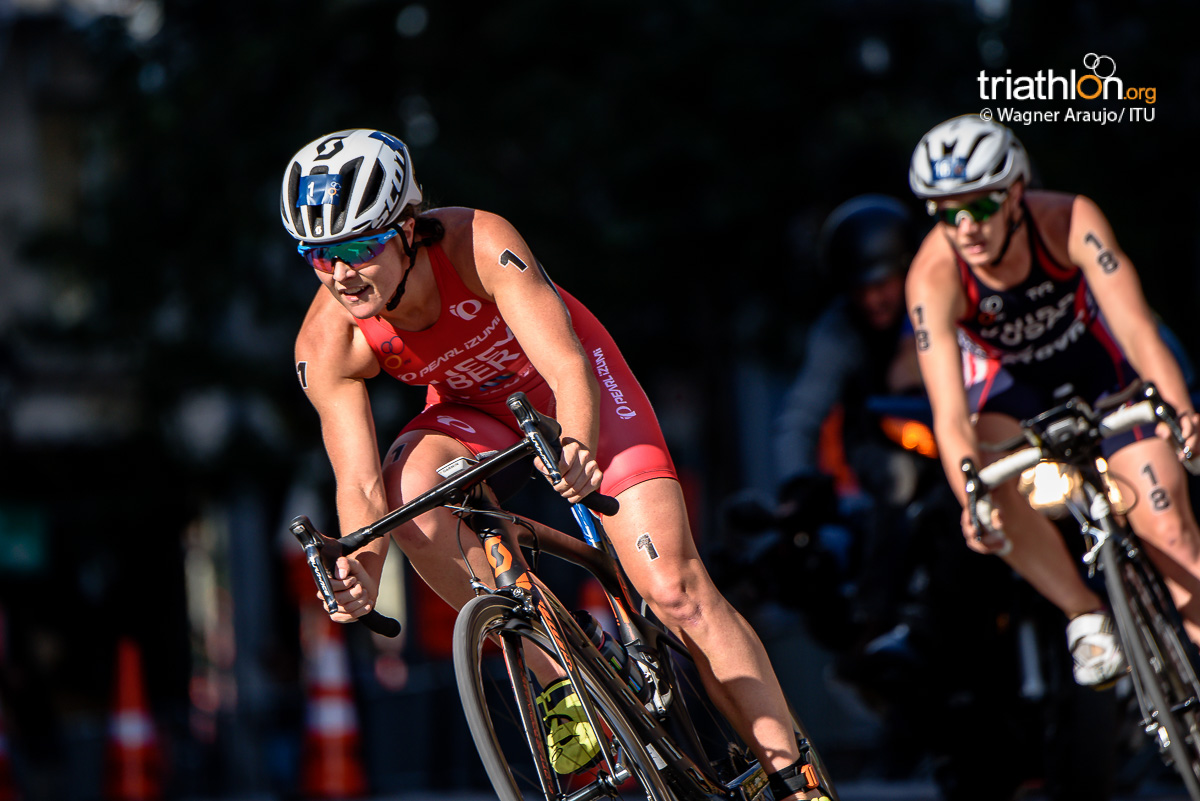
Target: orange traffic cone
[
  {"x": 134, "y": 760},
  {"x": 332, "y": 767}
]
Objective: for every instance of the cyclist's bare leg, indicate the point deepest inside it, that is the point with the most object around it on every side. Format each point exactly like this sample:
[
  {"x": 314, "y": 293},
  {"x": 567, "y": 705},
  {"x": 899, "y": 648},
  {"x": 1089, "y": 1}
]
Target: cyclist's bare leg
[
  {"x": 668, "y": 573},
  {"x": 432, "y": 541},
  {"x": 1039, "y": 554},
  {"x": 1162, "y": 516}
]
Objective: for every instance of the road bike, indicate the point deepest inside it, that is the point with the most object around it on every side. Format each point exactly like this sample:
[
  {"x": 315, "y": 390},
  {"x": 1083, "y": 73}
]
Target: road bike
[
  {"x": 660, "y": 738},
  {"x": 1164, "y": 663}
]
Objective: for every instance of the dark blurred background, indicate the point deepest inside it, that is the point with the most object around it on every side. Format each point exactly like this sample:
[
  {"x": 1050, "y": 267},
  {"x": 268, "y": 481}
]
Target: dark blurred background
[{"x": 670, "y": 163}]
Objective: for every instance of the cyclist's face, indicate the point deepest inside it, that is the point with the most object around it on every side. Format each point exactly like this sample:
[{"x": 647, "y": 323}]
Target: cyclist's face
[
  {"x": 365, "y": 289},
  {"x": 977, "y": 240},
  {"x": 881, "y": 303}
]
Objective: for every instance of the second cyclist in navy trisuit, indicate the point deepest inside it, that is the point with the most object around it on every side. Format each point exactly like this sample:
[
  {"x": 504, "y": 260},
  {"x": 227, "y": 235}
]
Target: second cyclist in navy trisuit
[{"x": 1019, "y": 298}]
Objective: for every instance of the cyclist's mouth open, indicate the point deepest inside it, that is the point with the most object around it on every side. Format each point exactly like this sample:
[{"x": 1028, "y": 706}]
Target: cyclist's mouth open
[{"x": 357, "y": 294}]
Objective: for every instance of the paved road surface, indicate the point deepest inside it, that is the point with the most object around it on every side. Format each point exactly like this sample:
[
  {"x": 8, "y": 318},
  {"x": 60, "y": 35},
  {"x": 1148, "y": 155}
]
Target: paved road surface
[{"x": 861, "y": 791}]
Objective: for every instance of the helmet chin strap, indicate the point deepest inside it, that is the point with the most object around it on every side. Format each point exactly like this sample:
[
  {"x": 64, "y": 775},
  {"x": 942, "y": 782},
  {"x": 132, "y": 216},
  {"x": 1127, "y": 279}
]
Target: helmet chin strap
[
  {"x": 1012, "y": 229},
  {"x": 411, "y": 252}
]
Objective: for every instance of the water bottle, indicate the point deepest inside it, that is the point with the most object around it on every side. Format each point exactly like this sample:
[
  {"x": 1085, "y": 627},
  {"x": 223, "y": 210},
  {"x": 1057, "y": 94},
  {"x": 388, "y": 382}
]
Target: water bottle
[{"x": 614, "y": 652}]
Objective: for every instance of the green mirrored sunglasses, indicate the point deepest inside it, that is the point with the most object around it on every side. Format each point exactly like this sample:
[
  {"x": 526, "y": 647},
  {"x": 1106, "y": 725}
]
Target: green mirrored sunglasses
[
  {"x": 354, "y": 252},
  {"x": 978, "y": 210}
]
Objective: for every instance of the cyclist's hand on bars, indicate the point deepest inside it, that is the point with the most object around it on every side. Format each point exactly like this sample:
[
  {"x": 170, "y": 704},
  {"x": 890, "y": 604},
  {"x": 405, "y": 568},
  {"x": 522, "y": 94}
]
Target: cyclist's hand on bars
[
  {"x": 1189, "y": 426},
  {"x": 353, "y": 588},
  {"x": 581, "y": 475},
  {"x": 992, "y": 542}
]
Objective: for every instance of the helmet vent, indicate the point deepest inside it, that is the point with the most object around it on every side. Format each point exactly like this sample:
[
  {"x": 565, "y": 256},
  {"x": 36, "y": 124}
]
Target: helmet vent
[
  {"x": 1002, "y": 167},
  {"x": 371, "y": 190},
  {"x": 349, "y": 173},
  {"x": 292, "y": 195},
  {"x": 975, "y": 146}
]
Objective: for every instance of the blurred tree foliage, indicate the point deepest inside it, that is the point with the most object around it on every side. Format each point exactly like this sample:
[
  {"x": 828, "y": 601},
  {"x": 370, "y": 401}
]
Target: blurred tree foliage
[{"x": 668, "y": 162}]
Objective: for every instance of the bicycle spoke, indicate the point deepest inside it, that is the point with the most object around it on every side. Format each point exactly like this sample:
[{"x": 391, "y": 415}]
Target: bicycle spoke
[{"x": 512, "y": 740}]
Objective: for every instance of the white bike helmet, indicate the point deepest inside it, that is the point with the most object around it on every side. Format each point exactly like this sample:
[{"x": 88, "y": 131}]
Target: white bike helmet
[
  {"x": 346, "y": 183},
  {"x": 966, "y": 154}
]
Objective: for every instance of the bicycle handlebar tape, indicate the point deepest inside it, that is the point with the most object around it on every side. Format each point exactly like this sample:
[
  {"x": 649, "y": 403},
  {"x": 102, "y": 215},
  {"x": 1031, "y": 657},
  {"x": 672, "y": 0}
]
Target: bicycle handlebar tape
[
  {"x": 357, "y": 539},
  {"x": 602, "y": 504},
  {"x": 381, "y": 624}
]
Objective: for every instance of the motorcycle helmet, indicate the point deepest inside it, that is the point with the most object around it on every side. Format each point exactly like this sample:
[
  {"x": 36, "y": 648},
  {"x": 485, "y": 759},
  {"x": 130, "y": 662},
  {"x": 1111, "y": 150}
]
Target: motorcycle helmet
[
  {"x": 345, "y": 184},
  {"x": 866, "y": 239},
  {"x": 966, "y": 154}
]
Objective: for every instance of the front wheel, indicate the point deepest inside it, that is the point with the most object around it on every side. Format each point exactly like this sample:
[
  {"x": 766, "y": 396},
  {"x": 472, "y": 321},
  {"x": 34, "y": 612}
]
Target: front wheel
[
  {"x": 494, "y": 649},
  {"x": 1160, "y": 655}
]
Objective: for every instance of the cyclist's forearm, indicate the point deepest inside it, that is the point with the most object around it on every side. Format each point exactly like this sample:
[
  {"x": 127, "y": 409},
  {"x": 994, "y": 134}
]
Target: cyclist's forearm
[
  {"x": 956, "y": 441},
  {"x": 577, "y": 402},
  {"x": 358, "y": 508},
  {"x": 1155, "y": 363}
]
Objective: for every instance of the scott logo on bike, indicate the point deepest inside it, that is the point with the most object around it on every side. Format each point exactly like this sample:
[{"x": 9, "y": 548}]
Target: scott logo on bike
[{"x": 603, "y": 692}]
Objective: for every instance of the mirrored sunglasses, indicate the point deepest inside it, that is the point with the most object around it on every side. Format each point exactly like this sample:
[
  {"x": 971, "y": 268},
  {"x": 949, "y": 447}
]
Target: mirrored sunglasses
[
  {"x": 977, "y": 210},
  {"x": 354, "y": 252}
]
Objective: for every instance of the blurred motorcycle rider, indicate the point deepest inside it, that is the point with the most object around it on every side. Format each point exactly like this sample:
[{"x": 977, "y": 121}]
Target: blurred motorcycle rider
[{"x": 862, "y": 344}]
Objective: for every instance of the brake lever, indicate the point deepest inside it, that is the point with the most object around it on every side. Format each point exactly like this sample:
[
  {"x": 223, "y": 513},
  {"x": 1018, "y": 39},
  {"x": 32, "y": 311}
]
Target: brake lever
[
  {"x": 528, "y": 420},
  {"x": 971, "y": 487},
  {"x": 314, "y": 547},
  {"x": 319, "y": 552},
  {"x": 1167, "y": 415},
  {"x": 975, "y": 499},
  {"x": 536, "y": 427}
]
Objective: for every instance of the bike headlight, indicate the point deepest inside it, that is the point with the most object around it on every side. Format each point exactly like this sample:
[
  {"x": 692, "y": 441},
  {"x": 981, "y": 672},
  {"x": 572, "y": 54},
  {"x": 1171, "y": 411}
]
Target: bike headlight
[{"x": 1048, "y": 486}]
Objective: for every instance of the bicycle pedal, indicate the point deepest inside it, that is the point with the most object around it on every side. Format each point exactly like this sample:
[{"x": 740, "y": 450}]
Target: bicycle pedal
[{"x": 752, "y": 785}]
